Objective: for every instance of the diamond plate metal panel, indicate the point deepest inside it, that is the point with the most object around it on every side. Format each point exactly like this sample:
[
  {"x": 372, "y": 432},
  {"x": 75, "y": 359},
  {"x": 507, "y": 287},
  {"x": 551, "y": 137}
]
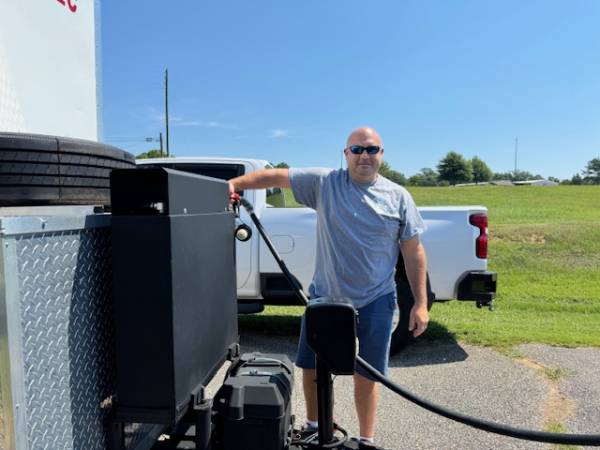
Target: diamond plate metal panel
[{"x": 67, "y": 340}]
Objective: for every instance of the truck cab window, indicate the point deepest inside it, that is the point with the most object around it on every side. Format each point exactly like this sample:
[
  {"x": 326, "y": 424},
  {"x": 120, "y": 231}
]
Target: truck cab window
[
  {"x": 275, "y": 195},
  {"x": 275, "y": 198}
]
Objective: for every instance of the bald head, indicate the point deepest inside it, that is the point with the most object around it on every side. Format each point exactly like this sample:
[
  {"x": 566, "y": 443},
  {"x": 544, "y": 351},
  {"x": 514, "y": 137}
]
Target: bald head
[
  {"x": 363, "y": 167},
  {"x": 362, "y": 134}
]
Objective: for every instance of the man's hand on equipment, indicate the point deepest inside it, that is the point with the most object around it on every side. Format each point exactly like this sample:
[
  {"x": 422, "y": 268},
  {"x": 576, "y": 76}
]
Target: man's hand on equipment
[
  {"x": 233, "y": 196},
  {"x": 419, "y": 318}
]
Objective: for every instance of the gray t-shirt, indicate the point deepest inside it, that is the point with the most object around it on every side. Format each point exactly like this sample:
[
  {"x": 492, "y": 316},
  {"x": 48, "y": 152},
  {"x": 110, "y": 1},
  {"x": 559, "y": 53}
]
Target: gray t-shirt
[{"x": 358, "y": 229}]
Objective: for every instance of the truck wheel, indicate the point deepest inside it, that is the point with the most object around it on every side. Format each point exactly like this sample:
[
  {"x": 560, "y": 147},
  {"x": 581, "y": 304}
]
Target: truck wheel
[
  {"x": 401, "y": 336},
  {"x": 51, "y": 170}
]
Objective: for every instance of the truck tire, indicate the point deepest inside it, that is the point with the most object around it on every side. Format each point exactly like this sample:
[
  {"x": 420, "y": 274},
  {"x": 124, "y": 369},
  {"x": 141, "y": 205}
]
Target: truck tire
[
  {"x": 401, "y": 336},
  {"x": 51, "y": 170}
]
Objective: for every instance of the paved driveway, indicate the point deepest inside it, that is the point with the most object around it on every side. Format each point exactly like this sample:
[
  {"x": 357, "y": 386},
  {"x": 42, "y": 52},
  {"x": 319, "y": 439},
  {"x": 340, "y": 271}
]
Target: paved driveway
[{"x": 543, "y": 385}]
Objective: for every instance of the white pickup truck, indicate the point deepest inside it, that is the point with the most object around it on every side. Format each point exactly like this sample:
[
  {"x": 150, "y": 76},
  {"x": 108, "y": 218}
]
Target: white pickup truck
[{"x": 455, "y": 242}]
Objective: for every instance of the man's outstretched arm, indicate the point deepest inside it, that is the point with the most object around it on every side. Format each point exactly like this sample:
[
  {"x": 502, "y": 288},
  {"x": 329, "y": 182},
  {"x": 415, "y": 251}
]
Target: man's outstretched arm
[
  {"x": 261, "y": 179},
  {"x": 415, "y": 264}
]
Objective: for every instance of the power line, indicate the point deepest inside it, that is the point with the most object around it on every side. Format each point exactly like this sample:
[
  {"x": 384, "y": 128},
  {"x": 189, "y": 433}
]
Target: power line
[
  {"x": 131, "y": 139},
  {"x": 138, "y": 140}
]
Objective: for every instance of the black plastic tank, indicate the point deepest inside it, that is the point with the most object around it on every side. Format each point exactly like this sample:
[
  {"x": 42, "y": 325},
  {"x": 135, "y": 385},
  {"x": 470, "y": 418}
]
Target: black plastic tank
[{"x": 174, "y": 289}]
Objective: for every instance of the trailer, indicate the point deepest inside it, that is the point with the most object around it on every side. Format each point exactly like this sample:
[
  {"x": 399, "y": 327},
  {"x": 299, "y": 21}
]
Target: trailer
[
  {"x": 50, "y": 68},
  {"x": 57, "y": 358}
]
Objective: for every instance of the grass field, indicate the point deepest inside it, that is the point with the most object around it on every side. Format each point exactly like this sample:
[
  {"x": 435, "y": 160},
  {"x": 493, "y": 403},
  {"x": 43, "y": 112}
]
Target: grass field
[{"x": 545, "y": 247}]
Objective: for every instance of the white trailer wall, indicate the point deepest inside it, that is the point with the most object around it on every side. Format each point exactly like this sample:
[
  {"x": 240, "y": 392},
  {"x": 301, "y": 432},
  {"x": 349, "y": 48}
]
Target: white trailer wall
[{"x": 49, "y": 67}]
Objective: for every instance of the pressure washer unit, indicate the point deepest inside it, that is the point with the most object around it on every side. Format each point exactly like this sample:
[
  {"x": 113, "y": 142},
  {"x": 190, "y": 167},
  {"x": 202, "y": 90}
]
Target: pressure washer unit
[{"x": 176, "y": 323}]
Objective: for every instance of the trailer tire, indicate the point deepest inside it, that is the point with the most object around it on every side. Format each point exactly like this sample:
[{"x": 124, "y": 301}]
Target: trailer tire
[
  {"x": 50, "y": 170},
  {"x": 401, "y": 336}
]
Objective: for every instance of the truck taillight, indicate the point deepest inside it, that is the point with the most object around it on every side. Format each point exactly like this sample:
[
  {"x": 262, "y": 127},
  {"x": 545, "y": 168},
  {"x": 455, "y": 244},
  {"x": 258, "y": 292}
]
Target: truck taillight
[{"x": 481, "y": 243}]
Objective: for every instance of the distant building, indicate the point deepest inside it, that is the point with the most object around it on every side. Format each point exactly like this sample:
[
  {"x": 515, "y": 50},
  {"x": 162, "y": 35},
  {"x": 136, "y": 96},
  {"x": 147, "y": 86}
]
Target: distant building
[
  {"x": 511, "y": 183},
  {"x": 535, "y": 183},
  {"x": 482, "y": 183}
]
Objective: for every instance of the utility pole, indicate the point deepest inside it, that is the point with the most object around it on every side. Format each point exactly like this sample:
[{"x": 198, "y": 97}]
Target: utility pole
[
  {"x": 516, "y": 151},
  {"x": 161, "y": 143},
  {"x": 167, "y": 107}
]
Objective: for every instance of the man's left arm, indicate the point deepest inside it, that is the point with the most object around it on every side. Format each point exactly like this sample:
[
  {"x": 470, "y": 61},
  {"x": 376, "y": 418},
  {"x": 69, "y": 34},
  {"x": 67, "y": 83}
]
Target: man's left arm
[{"x": 415, "y": 264}]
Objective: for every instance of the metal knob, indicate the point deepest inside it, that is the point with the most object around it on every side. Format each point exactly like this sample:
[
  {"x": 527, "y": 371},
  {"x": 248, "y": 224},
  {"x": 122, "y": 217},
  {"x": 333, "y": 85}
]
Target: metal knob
[{"x": 243, "y": 232}]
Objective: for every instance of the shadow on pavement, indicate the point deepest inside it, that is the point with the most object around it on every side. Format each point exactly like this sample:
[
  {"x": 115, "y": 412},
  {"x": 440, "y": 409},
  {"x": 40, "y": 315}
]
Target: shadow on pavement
[
  {"x": 279, "y": 334},
  {"x": 426, "y": 353},
  {"x": 436, "y": 346}
]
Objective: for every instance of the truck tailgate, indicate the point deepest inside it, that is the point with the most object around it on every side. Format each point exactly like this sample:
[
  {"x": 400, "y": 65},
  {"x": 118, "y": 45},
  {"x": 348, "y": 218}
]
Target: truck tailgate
[{"x": 450, "y": 245}]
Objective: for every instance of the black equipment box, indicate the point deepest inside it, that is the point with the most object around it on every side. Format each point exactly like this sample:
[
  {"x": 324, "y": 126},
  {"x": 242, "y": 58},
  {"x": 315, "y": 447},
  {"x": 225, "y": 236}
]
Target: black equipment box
[
  {"x": 174, "y": 289},
  {"x": 252, "y": 409}
]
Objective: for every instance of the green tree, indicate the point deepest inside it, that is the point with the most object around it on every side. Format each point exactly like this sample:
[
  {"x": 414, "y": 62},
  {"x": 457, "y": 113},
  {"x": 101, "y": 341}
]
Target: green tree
[
  {"x": 391, "y": 174},
  {"x": 592, "y": 172},
  {"x": 154, "y": 153},
  {"x": 576, "y": 179},
  {"x": 523, "y": 175},
  {"x": 426, "y": 177},
  {"x": 481, "y": 171},
  {"x": 281, "y": 165},
  {"x": 519, "y": 175},
  {"x": 502, "y": 176},
  {"x": 454, "y": 168}
]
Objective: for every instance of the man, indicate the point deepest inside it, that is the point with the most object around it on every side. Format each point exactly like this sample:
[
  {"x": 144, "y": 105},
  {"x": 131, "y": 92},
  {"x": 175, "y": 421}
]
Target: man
[{"x": 361, "y": 217}]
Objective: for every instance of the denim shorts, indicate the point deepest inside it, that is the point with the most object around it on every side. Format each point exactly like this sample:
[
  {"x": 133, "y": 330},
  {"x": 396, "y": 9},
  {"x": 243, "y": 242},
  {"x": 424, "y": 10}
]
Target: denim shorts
[{"x": 374, "y": 331}]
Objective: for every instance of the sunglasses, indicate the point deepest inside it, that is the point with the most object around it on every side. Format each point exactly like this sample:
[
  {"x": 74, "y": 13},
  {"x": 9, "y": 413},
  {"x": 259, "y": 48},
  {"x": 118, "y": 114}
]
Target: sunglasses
[{"x": 359, "y": 149}]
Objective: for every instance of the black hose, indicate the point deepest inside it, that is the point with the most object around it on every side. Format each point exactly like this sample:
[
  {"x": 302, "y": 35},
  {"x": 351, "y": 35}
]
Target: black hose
[
  {"x": 485, "y": 425},
  {"x": 282, "y": 266},
  {"x": 312, "y": 442}
]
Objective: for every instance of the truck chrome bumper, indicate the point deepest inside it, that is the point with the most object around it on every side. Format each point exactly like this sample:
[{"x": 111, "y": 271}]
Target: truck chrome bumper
[{"x": 477, "y": 286}]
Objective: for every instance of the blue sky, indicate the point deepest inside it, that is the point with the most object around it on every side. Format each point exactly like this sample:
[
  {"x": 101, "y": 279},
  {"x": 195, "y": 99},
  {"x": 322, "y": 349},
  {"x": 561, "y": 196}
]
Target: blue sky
[{"x": 287, "y": 81}]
